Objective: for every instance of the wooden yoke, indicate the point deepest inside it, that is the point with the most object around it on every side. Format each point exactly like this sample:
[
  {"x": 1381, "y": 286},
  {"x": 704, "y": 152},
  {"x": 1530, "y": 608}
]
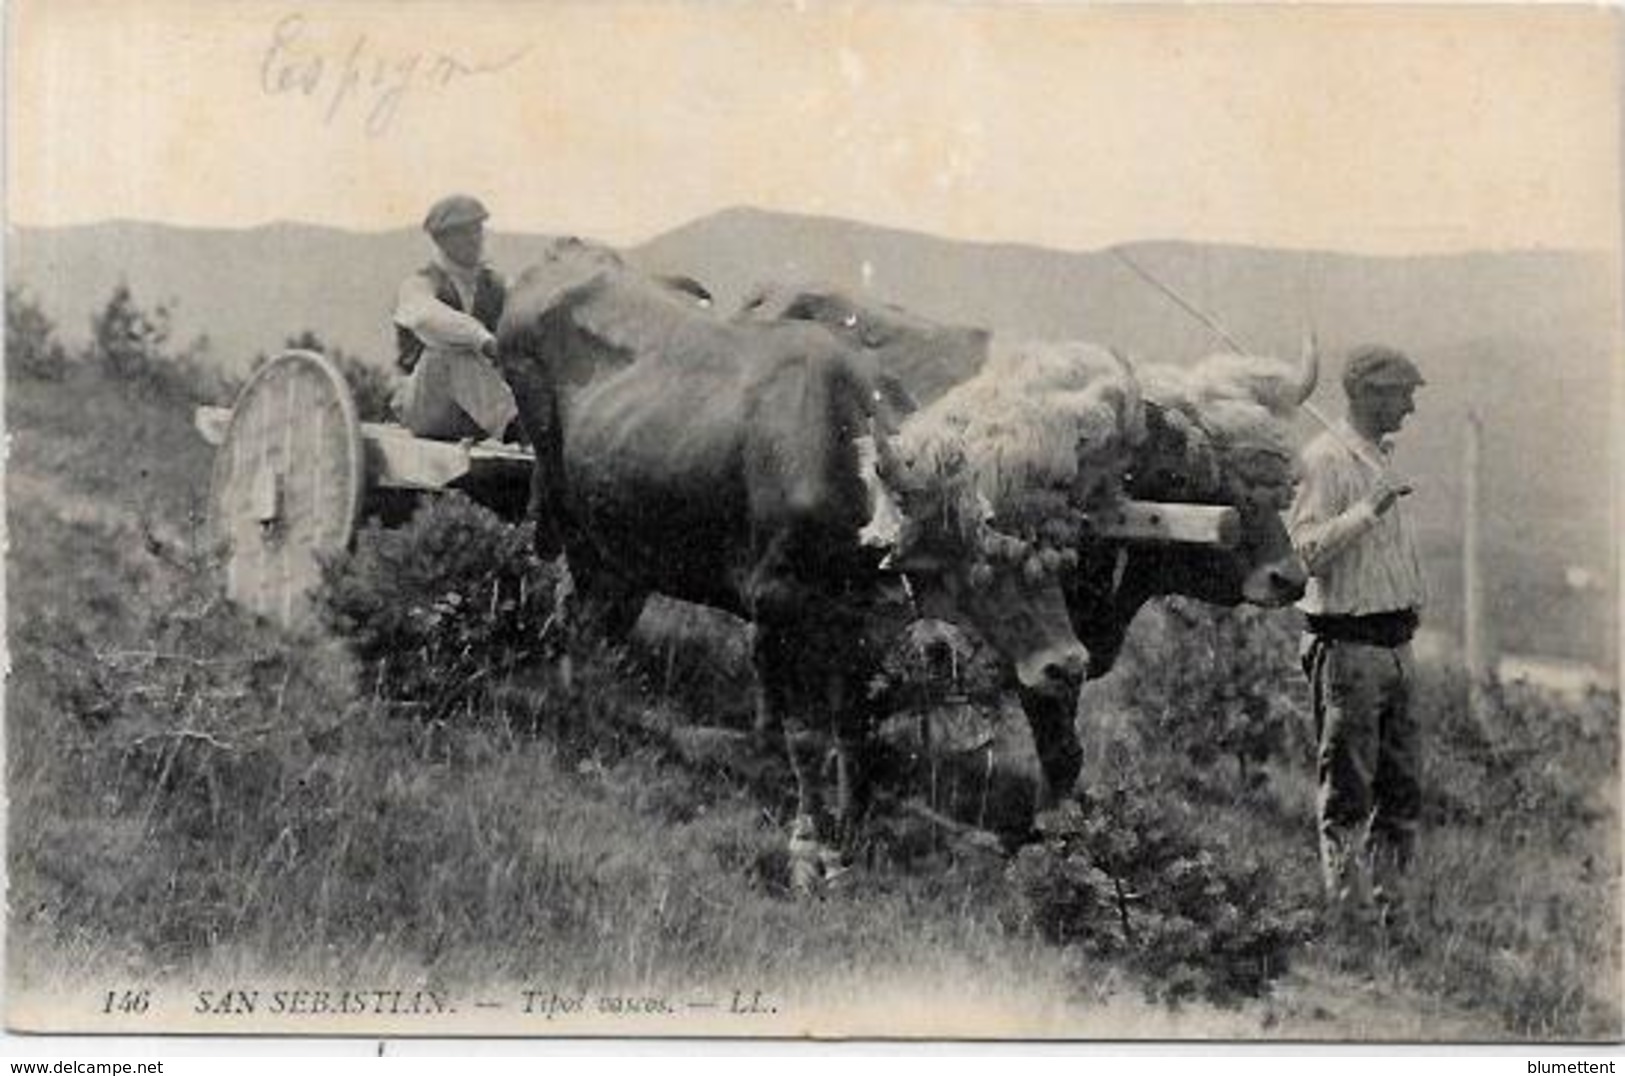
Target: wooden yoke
[{"x": 1159, "y": 522}]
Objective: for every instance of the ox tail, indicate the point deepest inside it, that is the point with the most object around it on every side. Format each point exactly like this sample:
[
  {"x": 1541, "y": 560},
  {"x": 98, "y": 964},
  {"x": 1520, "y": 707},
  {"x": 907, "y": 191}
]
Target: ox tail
[{"x": 804, "y": 478}]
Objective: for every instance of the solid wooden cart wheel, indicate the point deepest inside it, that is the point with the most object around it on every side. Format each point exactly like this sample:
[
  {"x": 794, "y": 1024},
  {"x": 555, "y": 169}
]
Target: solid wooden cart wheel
[{"x": 288, "y": 484}]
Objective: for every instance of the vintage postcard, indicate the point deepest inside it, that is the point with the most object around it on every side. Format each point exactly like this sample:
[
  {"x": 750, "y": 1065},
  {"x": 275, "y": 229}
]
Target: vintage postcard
[{"x": 917, "y": 520}]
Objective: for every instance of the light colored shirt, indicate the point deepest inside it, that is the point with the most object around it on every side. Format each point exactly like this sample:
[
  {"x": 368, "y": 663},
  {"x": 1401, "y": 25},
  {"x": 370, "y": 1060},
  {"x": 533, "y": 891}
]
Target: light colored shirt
[
  {"x": 451, "y": 374},
  {"x": 1359, "y": 562},
  {"x": 441, "y": 327}
]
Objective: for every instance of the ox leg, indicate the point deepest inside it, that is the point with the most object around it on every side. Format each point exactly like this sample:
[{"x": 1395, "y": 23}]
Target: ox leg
[
  {"x": 795, "y": 693},
  {"x": 1052, "y": 716},
  {"x": 592, "y": 606},
  {"x": 853, "y": 747},
  {"x": 774, "y": 657},
  {"x": 606, "y": 602}
]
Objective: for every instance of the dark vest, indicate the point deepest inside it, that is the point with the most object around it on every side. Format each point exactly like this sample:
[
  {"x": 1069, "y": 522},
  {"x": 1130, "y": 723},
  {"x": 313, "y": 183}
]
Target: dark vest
[{"x": 489, "y": 295}]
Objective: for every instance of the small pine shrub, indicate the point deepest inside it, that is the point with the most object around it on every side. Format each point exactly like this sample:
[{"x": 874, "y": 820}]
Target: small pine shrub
[
  {"x": 1223, "y": 684},
  {"x": 132, "y": 344},
  {"x": 127, "y": 341},
  {"x": 1532, "y": 766},
  {"x": 32, "y": 348},
  {"x": 1126, "y": 875},
  {"x": 443, "y": 609}
]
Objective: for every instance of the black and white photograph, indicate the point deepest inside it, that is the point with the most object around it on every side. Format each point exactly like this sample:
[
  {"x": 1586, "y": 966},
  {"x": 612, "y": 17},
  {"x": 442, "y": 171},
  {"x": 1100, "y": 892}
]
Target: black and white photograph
[{"x": 808, "y": 519}]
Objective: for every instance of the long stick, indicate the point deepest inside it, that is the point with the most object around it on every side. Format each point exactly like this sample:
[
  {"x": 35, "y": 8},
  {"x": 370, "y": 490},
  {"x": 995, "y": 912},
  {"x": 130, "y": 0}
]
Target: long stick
[
  {"x": 1190, "y": 308},
  {"x": 1235, "y": 345}
]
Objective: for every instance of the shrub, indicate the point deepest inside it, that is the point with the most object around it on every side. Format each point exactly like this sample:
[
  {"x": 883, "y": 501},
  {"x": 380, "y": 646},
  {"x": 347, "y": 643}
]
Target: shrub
[
  {"x": 1126, "y": 874},
  {"x": 441, "y": 609},
  {"x": 1533, "y": 767},
  {"x": 131, "y": 344},
  {"x": 128, "y": 342},
  {"x": 32, "y": 348},
  {"x": 1221, "y": 684}
]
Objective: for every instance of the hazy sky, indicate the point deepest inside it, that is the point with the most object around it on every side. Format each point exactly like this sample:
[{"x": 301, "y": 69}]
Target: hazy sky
[{"x": 1378, "y": 129}]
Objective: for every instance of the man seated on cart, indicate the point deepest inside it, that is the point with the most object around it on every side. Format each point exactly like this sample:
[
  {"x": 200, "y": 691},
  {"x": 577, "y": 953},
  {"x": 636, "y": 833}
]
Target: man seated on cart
[{"x": 445, "y": 318}]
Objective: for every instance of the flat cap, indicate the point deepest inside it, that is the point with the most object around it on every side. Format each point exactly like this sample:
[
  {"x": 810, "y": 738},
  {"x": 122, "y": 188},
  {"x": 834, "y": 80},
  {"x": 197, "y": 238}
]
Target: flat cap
[
  {"x": 453, "y": 211},
  {"x": 1375, "y": 364}
]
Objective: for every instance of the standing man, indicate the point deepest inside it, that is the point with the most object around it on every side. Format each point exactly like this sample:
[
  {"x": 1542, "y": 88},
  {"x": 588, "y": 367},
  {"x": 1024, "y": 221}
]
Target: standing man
[
  {"x": 445, "y": 316},
  {"x": 1363, "y": 599}
]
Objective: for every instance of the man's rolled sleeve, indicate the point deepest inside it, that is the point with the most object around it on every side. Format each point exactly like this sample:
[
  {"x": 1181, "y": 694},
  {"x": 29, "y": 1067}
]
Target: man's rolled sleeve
[
  {"x": 1322, "y": 525},
  {"x": 432, "y": 321}
]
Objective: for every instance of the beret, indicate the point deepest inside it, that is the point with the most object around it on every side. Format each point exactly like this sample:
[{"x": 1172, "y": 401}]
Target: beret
[
  {"x": 453, "y": 211},
  {"x": 1375, "y": 364}
]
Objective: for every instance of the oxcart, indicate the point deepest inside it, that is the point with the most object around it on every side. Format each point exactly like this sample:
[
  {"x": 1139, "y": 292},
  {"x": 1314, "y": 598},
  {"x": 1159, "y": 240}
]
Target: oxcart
[{"x": 297, "y": 472}]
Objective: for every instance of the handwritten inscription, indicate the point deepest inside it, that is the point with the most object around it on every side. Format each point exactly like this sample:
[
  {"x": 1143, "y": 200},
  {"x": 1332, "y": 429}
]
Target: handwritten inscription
[{"x": 358, "y": 79}]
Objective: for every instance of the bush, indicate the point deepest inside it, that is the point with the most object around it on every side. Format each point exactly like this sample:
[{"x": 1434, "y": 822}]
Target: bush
[
  {"x": 1125, "y": 874},
  {"x": 131, "y": 344},
  {"x": 32, "y": 348},
  {"x": 1531, "y": 766},
  {"x": 442, "y": 609},
  {"x": 1222, "y": 684},
  {"x": 128, "y": 342}
]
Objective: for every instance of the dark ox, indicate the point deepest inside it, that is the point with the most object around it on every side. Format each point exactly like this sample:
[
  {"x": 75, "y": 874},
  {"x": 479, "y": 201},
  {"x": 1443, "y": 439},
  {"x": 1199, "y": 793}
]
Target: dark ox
[
  {"x": 1112, "y": 579},
  {"x": 719, "y": 463},
  {"x": 913, "y": 360}
]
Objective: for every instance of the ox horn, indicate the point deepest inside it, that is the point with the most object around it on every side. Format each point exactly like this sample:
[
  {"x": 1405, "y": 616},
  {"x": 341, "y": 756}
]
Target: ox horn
[
  {"x": 1309, "y": 368},
  {"x": 1133, "y": 423}
]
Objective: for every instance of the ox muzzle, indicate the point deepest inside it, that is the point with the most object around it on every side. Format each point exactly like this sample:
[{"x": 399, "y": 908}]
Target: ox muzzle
[
  {"x": 1280, "y": 582},
  {"x": 1025, "y": 621}
]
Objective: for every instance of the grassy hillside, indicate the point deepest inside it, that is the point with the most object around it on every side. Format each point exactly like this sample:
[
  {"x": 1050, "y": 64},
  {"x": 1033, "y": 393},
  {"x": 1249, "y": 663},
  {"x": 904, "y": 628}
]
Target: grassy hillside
[{"x": 197, "y": 799}]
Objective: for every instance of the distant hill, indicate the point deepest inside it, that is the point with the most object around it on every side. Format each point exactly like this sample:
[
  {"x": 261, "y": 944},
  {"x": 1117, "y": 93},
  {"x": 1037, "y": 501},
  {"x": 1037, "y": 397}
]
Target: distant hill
[{"x": 1528, "y": 338}]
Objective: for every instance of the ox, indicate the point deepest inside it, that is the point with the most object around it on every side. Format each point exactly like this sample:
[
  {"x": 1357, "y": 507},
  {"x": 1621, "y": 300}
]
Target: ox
[
  {"x": 719, "y": 463},
  {"x": 1215, "y": 434}
]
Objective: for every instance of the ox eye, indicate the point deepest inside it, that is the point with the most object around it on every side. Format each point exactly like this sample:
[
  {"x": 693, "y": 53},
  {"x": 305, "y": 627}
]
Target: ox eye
[{"x": 850, "y": 321}]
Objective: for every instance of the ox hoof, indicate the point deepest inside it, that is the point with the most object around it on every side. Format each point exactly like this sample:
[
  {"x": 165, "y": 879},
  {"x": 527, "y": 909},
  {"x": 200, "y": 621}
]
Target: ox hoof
[
  {"x": 836, "y": 870},
  {"x": 805, "y": 878},
  {"x": 815, "y": 866}
]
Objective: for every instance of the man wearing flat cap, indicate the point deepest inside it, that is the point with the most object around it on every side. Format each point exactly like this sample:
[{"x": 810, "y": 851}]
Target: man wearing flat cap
[
  {"x": 1363, "y": 599},
  {"x": 445, "y": 316}
]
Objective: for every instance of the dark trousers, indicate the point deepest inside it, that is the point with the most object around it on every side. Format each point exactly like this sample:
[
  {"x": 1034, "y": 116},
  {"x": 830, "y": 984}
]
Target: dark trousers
[{"x": 1368, "y": 763}]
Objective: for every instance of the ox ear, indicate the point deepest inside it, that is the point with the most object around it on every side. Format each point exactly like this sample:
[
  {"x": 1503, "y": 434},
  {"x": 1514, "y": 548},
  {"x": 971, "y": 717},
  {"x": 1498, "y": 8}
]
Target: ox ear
[
  {"x": 812, "y": 304},
  {"x": 894, "y": 399}
]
